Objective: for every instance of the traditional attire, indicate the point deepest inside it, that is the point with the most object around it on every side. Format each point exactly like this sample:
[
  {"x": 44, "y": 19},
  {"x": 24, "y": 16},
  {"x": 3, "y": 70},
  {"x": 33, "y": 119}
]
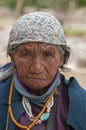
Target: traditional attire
[{"x": 67, "y": 113}]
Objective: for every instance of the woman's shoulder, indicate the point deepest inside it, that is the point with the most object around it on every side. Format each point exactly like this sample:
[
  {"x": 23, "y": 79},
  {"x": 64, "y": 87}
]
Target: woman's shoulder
[
  {"x": 5, "y": 84},
  {"x": 75, "y": 90},
  {"x": 5, "y": 76},
  {"x": 6, "y": 70},
  {"x": 73, "y": 84}
]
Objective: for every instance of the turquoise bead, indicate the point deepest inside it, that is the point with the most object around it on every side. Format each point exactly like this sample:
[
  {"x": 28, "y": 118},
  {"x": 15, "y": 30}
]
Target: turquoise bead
[{"x": 45, "y": 116}]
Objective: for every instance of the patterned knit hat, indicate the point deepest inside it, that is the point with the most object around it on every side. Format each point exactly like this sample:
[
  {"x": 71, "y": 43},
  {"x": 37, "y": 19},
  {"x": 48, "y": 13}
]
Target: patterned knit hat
[{"x": 37, "y": 27}]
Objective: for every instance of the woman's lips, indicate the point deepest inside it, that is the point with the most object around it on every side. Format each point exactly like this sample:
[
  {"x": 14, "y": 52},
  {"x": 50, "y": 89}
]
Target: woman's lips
[{"x": 36, "y": 79}]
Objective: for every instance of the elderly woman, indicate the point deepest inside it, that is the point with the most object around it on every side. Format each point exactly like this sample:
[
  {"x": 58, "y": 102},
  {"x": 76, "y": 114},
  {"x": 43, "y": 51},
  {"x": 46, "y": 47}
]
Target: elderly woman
[{"x": 34, "y": 95}]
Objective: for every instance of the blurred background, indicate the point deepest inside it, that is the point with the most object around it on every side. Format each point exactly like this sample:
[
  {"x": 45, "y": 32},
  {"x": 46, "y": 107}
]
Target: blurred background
[{"x": 71, "y": 14}]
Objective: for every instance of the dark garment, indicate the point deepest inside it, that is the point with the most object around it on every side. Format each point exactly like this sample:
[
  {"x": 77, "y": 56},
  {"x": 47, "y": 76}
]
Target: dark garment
[
  {"x": 57, "y": 120},
  {"x": 76, "y": 116}
]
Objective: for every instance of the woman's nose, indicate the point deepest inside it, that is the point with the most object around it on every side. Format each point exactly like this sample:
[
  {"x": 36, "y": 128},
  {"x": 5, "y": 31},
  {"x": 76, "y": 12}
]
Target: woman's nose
[{"x": 36, "y": 66}]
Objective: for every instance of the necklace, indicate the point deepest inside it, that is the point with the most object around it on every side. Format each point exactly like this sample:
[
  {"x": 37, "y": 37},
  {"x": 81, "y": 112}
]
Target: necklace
[
  {"x": 10, "y": 113},
  {"x": 44, "y": 116}
]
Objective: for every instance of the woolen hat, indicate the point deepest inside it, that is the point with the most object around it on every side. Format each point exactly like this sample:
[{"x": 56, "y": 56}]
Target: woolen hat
[{"x": 37, "y": 27}]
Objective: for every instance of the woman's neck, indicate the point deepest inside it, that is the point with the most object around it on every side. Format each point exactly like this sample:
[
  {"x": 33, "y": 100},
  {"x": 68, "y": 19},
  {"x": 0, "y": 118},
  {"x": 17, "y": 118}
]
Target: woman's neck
[{"x": 39, "y": 92}]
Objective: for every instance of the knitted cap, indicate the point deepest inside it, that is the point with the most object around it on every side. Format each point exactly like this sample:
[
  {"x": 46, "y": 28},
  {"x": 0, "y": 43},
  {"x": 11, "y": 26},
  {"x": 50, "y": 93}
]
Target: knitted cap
[{"x": 37, "y": 27}]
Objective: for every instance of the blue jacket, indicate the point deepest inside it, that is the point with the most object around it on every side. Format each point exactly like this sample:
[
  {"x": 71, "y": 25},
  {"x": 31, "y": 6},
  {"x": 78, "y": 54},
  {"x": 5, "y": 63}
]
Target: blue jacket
[{"x": 77, "y": 104}]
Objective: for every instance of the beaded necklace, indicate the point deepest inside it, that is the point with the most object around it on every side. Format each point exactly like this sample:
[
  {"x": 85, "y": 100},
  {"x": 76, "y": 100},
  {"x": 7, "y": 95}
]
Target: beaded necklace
[
  {"x": 10, "y": 113},
  {"x": 44, "y": 116}
]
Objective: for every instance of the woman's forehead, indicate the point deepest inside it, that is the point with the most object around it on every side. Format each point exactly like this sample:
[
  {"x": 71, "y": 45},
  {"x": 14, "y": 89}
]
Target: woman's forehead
[{"x": 37, "y": 45}]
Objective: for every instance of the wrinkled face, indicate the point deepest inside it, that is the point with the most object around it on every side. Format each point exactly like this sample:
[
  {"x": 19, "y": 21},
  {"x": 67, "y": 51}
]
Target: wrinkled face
[{"x": 37, "y": 64}]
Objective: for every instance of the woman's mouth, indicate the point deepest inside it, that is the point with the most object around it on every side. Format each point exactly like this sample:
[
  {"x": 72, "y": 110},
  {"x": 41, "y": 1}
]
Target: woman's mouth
[{"x": 36, "y": 79}]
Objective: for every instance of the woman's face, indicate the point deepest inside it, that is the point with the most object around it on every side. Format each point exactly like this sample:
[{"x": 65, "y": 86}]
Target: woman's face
[{"x": 37, "y": 65}]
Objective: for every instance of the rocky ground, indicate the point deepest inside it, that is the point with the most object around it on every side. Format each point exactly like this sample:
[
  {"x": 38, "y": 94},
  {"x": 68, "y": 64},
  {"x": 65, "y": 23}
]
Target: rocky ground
[{"x": 77, "y": 61}]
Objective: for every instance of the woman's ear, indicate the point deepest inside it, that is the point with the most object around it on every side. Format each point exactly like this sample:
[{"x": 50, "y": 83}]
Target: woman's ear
[
  {"x": 61, "y": 62},
  {"x": 12, "y": 60}
]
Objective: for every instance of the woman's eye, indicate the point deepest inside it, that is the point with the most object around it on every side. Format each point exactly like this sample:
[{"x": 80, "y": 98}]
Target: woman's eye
[
  {"x": 47, "y": 54},
  {"x": 26, "y": 54}
]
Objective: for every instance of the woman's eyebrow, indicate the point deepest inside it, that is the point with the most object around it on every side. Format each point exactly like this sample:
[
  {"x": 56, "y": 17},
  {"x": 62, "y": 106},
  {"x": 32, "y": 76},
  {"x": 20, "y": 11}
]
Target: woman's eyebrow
[
  {"x": 25, "y": 48},
  {"x": 49, "y": 48}
]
